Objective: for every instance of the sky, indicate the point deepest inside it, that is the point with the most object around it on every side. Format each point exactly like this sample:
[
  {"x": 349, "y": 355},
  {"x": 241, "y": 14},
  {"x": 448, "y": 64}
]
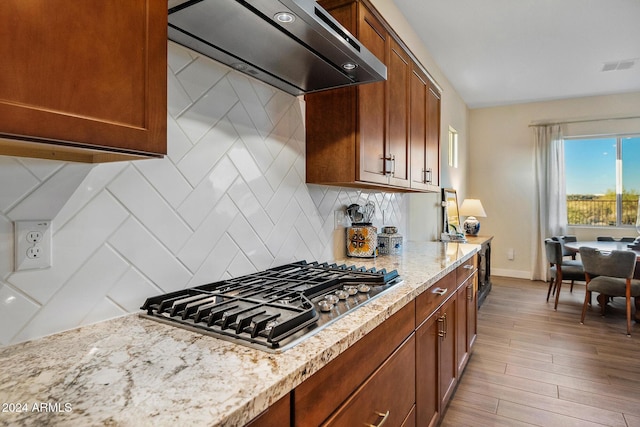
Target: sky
[{"x": 590, "y": 165}]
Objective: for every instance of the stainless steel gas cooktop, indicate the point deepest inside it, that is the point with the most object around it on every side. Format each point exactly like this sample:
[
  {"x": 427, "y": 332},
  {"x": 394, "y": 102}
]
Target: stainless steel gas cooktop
[{"x": 273, "y": 309}]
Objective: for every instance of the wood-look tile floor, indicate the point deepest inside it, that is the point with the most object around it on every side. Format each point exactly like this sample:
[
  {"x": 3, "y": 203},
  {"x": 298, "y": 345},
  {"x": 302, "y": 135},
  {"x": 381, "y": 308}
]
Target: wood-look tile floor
[{"x": 532, "y": 365}]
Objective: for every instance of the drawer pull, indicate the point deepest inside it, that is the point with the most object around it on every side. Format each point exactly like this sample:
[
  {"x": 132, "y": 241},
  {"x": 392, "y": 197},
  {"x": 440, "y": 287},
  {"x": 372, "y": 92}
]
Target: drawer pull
[
  {"x": 382, "y": 421},
  {"x": 468, "y": 266},
  {"x": 440, "y": 291}
]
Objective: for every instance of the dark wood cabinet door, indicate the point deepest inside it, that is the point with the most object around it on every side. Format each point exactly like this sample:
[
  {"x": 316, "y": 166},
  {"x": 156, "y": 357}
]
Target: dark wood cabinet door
[
  {"x": 432, "y": 165},
  {"x": 418, "y": 127},
  {"x": 448, "y": 366},
  {"x": 427, "y": 390},
  {"x": 315, "y": 401},
  {"x": 424, "y": 132},
  {"x": 472, "y": 310},
  {"x": 399, "y": 73},
  {"x": 386, "y": 397},
  {"x": 371, "y": 104},
  {"x": 462, "y": 347},
  {"x": 91, "y": 75}
]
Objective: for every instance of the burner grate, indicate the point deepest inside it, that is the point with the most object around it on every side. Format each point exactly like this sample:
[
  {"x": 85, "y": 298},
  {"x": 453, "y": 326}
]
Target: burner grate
[{"x": 267, "y": 308}]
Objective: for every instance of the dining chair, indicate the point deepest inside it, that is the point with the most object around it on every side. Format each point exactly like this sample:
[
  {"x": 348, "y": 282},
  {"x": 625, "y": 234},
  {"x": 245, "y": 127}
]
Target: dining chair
[
  {"x": 563, "y": 239},
  {"x": 628, "y": 239},
  {"x": 611, "y": 275},
  {"x": 605, "y": 239},
  {"x": 560, "y": 269},
  {"x": 568, "y": 253}
]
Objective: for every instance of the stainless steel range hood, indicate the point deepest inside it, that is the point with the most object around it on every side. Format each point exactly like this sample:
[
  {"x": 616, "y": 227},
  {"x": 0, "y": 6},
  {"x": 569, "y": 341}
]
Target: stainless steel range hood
[{"x": 310, "y": 53}]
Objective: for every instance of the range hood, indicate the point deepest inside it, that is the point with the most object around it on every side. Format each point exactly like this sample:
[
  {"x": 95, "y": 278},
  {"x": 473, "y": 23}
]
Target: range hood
[{"x": 294, "y": 45}]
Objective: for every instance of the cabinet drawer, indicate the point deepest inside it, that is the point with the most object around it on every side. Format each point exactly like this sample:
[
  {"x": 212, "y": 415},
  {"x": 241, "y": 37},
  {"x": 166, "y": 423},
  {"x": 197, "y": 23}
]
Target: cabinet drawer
[
  {"x": 388, "y": 394},
  {"x": 467, "y": 269},
  {"x": 428, "y": 301},
  {"x": 321, "y": 394}
]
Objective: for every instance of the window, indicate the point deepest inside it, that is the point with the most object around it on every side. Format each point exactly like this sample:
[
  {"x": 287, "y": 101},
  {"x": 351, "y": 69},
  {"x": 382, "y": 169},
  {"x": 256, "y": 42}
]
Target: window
[
  {"x": 453, "y": 147},
  {"x": 602, "y": 180}
]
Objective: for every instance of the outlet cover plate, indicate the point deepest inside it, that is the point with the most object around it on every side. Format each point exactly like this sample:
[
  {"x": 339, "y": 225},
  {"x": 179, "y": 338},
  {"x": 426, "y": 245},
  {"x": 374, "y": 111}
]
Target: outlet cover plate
[{"x": 32, "y": 243}]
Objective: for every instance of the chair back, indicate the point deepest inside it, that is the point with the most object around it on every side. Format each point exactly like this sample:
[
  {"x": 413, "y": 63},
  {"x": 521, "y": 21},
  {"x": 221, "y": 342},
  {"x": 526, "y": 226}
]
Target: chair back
[
  {"x": 563, "y": 240},
  {"x": 616, "y": 264},
  {"x": 553, "y": 249}
]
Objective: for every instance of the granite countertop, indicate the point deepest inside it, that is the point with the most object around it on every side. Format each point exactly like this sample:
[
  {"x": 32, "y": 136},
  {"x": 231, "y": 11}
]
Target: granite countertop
[{"x": 132, "y": 371}]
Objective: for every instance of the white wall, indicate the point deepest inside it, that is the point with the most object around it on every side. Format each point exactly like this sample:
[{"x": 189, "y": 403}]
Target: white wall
[
  {"x": 229, "y": 199},
  {"x": 501, "y": 168},
  {"x": 425, "y": 207}
]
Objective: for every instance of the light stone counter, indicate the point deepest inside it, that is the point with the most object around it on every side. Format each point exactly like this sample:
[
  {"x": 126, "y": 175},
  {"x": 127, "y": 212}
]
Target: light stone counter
[{"x": 132, "y": 371}]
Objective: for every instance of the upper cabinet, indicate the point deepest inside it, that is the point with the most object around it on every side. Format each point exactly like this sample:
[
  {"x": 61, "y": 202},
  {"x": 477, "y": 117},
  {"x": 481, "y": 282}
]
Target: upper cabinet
[
  {"x": 84, "y": 82},
  {"x": 424, "y": 132},
  {"x": 383, "y": 135}
]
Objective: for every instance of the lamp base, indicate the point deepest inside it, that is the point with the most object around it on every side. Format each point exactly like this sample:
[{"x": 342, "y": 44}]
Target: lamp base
[{"x": 471, "y": 226}]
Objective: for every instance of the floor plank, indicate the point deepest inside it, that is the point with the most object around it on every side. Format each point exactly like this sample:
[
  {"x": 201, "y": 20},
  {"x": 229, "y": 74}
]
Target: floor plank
[{"x": 533, "y": 365}]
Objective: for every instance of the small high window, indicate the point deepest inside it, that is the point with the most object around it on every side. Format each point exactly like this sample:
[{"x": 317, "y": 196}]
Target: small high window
[{"x": 453, "y": 147}]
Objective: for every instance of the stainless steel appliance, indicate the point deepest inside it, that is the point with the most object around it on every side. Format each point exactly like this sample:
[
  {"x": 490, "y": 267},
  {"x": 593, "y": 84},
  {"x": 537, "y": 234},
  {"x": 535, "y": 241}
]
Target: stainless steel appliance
[
  {"x": 273, "y": 309},
  {"x": 294, "y": 45}
]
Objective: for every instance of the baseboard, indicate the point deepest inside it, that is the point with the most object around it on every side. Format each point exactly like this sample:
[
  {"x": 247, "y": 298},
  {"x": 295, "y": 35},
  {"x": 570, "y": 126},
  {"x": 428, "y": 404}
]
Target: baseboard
[{"x": 516, "y": 274}]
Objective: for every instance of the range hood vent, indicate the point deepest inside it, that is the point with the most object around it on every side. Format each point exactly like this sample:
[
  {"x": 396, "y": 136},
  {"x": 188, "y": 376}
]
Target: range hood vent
[{"x": 294, "y": 45}]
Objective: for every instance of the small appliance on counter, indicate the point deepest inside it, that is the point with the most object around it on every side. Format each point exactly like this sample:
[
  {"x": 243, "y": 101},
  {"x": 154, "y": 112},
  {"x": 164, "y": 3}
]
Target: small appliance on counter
[
  {"x": 389, "y": 241},
  {"x": 362, "y": 237}
]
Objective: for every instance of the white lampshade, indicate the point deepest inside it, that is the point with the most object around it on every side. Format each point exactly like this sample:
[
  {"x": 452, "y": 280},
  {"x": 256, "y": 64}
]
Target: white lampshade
[{"x": 472, "y": 207}]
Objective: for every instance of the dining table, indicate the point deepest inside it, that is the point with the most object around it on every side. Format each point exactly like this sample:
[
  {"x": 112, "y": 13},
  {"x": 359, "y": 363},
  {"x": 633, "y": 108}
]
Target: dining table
[
  {"x": 602, "y": 246},
  {"x": 605, "y": 247}
]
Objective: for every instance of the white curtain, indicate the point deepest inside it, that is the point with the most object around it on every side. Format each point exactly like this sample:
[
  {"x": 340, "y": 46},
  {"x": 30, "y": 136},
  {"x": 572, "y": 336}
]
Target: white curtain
[{"x": 551, "y": 196}]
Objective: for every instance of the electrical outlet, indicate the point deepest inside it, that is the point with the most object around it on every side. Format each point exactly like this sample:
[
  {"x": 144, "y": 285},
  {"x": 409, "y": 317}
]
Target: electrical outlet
[
  {"x": 32, "y": 244},
  {"x": 34, "y": 236}
]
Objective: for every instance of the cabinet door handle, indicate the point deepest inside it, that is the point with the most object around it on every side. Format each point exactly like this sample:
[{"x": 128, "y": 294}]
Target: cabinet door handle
[
  {"x": 382, "y": 421},
  {"x": 393, "y": 165},
  {"x": 442, "y": 320},
  {"x": 470, "y": 288},
  {"x": 446, "y": 324},
  {"x": 427, "y": 176},
  {"x": 388, "y": 165},
  {"x": 440, "y": 291}
]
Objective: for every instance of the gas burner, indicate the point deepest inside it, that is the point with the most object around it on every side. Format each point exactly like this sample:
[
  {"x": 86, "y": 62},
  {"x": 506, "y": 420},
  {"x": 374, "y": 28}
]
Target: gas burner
[{"x": 274, "y": 309}]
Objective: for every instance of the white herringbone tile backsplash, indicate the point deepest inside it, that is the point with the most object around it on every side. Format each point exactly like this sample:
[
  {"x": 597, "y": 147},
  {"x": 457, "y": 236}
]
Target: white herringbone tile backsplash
[{"x": 228, "y": 199}]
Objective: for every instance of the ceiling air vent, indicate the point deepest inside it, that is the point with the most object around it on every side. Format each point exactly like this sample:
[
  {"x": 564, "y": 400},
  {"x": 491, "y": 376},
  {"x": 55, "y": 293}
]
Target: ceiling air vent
[{"x": 624, "y": 64}]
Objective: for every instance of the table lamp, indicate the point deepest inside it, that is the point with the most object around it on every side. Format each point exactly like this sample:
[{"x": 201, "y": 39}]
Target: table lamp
[{"x": 472, "y": 208}]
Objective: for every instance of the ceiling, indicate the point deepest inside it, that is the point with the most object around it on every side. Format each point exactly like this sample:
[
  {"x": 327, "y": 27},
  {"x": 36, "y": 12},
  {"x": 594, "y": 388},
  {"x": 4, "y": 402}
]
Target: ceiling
[{"x": 500, "y": 52}]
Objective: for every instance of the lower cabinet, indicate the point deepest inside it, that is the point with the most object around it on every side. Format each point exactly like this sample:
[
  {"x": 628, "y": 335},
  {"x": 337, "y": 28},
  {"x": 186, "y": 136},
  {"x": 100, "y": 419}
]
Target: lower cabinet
[
  {"x": 466, "y": 311},
  {"x": 448, "y": 366},
  {"x": 329, "y": 391},
  {"x": 403, "y": 373},
  {"x": 427, "y": 357},
  {"x": 446, "y": 329},
  {"x": 277, "y": 415},
  {"x": 388, "y": 395}
]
